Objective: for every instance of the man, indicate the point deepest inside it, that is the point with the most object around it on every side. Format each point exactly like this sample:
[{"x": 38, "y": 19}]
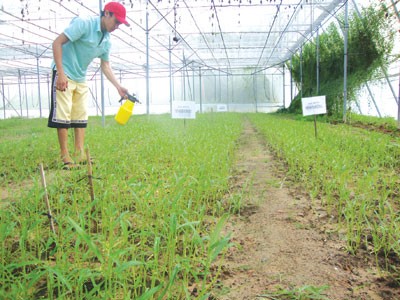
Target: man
[{"x": 73, "y": 50}]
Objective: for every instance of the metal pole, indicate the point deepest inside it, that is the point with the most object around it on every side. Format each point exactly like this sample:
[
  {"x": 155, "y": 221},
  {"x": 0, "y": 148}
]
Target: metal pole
[
  {"x": 19, "y": 90},
  {"x": 227, "y": 88},
  {"x": 200, "y": 91},
  {"x": 193, "y": 92},
  {"x": 4, "y": 97},
  {"x": 147, "y": 61},
  {"x": 398, "y": 95},
  {"x": 48, "y": 91},
  {"x": 103, "y": 117},
  {"x": 170, "y": 75},
  {"x": 398, "y": 106},
  {"x": 283, "y": 85},
  {"x": 301, "y": 72},
  {"x": 291, "y": 79},
  {"x": 183, "y": 76},
  {"x": 219, "y": 85},
  {"x": 272, "y": 86},
  {"x": 373, "y": 100},
  {"x": 255, "y": 91},
  {"x": 317, "y": 50},
  {"x": 346, "y": 27},
  {"x": 232, "y": 84},
  {"x": 215, "y": 89},
  {"x": 96, "y": 96},
  {"x": 26, "y": 97},
  {"x": 38, "y": 79}
]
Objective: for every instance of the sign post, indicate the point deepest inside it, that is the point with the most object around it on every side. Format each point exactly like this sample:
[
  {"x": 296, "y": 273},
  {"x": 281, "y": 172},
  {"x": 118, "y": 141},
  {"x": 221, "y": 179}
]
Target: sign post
[
  {"x": 314, "y": 106},
  {"x": 183, "y": 110}
]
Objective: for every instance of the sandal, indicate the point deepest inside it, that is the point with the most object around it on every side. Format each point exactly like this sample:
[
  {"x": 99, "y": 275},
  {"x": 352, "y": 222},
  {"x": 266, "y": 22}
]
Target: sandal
[
  {"x": 69, "y": 165},
  {"x": 85, "y": 161}
]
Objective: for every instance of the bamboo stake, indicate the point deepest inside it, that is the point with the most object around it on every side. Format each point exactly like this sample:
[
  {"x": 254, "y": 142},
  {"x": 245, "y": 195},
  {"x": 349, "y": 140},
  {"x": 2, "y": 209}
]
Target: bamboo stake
[
  {"x": 90, "y": 172},
  {"x": 46, "y": 199}
]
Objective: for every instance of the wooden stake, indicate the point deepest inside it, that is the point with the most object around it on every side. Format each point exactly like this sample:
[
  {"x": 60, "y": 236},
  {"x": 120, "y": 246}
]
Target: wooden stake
[
  {"x": 90, "y": 174},
  {"x": 91, "y": 189},
  {"x": 46, "y": 199}
]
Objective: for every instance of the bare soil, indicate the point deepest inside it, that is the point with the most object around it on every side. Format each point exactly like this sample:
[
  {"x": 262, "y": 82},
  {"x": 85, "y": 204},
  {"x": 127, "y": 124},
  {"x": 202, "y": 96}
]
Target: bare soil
[{"x": 284, "y": 241}]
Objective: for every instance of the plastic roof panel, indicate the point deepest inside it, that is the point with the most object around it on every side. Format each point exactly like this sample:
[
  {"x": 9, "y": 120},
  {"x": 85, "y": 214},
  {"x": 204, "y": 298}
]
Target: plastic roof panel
[{"x": 226, "y": 35}]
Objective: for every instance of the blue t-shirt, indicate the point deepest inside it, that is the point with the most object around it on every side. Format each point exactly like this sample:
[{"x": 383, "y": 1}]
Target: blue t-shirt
[{"x": 86, "y": 42}]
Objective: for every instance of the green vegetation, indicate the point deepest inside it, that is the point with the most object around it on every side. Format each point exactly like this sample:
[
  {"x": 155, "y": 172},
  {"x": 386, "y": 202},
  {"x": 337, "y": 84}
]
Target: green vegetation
[
  {"x": 354, "y": 172},
  {"x": 370, "y": 42},
  {"x": 387, "y": 123},
  {"x": 307, "y": 292},
  {"x": 154, "y": 227},
  {"x": 162, "y": 197}
]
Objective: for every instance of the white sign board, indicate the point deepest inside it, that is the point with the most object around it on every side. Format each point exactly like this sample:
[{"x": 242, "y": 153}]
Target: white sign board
[
  {"x": 222, "y": 108},
  {"x": 313, "y": 105},
  {"x": 183, "y": 110}
]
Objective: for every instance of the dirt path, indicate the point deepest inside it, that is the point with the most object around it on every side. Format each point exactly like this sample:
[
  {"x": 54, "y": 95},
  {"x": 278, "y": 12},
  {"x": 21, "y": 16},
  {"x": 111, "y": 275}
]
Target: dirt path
[{"x": 281, "y": 242}]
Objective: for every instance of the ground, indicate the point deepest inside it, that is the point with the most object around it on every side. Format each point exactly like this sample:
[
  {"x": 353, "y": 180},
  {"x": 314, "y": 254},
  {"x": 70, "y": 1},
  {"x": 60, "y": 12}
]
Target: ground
[{"x": 284, "y": 241}]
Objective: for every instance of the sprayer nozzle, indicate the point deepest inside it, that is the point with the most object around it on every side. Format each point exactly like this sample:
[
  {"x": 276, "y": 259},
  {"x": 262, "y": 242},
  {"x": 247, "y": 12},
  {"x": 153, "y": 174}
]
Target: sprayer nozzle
[{"x": 130, "y": 97}]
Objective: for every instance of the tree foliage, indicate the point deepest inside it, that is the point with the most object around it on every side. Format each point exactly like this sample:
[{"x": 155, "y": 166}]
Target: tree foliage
[{"x": 370, "y": 43}]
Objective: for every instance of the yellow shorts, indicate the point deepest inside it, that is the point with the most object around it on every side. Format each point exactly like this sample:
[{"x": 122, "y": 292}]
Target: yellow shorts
[{"x": 68, "y": 108}]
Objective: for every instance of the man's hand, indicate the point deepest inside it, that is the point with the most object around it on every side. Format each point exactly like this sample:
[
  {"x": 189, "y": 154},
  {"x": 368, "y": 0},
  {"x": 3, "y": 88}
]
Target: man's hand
[
  {"x": 62, "y": 82},
  {"x": 122, "y": 91}
]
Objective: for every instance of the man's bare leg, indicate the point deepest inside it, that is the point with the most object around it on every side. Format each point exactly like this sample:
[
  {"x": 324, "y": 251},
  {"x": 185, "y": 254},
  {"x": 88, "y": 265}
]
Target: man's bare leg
[
  {"x": 63, "y": 141},
  {"x": 79, "y": 144}
]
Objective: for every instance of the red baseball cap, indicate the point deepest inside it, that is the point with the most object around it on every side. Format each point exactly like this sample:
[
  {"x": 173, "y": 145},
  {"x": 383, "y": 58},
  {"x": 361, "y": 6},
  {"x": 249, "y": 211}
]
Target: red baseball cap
[{"x": 118, "y": 10}]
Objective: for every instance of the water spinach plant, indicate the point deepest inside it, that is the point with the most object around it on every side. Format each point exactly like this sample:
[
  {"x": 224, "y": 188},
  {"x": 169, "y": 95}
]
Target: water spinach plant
[
  {"x": 354, "y": 173},
  {"x": 154, "y": 228}
]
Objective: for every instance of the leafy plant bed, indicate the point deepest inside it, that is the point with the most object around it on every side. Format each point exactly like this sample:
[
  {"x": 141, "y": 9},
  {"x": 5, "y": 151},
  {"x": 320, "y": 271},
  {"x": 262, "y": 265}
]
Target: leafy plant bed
[
  {"x": 353, "y": 172},
  {"x": 162, "y": 196},
  {"x": 153, "y": 228}
]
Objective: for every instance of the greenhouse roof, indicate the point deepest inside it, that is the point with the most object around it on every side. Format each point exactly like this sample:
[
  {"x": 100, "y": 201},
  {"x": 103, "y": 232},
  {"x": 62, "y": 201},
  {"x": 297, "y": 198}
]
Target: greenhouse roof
[{"x": 223, "y": 35}]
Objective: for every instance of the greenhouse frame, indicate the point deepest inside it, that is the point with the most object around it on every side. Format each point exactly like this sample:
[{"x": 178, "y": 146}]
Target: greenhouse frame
[
  {"x": 240, "y": 149},
  {"x": 223, "y": 55}
]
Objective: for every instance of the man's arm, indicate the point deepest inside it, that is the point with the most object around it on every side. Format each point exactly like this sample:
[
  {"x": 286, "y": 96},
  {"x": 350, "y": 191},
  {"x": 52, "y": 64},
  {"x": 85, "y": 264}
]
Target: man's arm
[
  {"x": 62, "y": 80},
  {"x": 106, "y": 68}
]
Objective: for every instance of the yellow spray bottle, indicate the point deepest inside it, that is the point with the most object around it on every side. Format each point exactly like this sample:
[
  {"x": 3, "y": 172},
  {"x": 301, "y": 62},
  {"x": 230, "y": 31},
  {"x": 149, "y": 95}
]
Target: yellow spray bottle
[{"x": 126, "y": 109}]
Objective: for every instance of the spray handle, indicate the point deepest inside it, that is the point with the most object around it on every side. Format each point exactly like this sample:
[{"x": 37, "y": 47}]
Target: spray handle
[{"x": 130, "y": 98}]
